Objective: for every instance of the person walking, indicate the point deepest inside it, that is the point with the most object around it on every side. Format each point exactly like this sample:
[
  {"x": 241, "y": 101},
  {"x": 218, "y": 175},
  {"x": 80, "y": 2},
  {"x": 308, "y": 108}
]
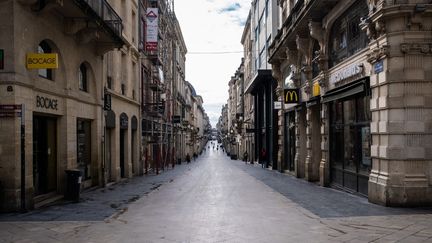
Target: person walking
[
  {"x": 263, "y": 157},
  {"x": 245, "y": 157}
]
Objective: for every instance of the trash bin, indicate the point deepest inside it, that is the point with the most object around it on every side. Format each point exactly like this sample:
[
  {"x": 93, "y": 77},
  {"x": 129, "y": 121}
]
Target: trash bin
[{"x": 73, "y": 185}]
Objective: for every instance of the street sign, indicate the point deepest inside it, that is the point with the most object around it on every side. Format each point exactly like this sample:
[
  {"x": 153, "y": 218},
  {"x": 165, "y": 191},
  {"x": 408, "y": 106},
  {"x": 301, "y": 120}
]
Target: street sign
[
  {"x": 316, "y": 89},
  {"x": 379, "y": 67},
  {"x": 10, "y": 113},
  {"x": 277, "y": 105},
  {"x": 10, "y": 110},
  {"x": 10, "y": 107}
]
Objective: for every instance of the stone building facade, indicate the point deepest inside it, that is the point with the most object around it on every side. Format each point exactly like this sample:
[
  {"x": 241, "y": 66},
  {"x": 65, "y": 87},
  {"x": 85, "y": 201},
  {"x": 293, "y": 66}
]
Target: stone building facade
[
  {"x": 362, "y": 71},
  {"x": 102, "y": 104},
  {"x": 248, "y": 121},
  {"x": 121, "y": 82},
  {"x": 62, "y": 108},
  {"x": 263, "y": 28}
]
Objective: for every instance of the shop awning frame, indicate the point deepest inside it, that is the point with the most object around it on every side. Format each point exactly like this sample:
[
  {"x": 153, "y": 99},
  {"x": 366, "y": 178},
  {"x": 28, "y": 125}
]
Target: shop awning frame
[{"x": 360, "y": 86}]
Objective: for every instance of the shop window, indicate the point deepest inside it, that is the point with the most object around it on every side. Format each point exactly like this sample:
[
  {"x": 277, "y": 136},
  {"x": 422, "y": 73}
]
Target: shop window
[
  {"x": 346, "y": 36},
  {"x": 44, "y": 47},
  {"x": 82, "y": 78},
  {"x": 350, "y": 142}
]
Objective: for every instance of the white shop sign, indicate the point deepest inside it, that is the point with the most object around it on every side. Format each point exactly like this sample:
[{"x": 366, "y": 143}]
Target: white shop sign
[{"x": 348, "y": 72}]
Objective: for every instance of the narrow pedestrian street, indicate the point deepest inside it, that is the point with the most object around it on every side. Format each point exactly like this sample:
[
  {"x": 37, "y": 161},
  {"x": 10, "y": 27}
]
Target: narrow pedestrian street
[{"x": 215, "y": 199}]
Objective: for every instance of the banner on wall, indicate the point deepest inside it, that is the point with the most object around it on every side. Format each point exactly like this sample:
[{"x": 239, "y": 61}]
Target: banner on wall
[{"x": 152, "y": 29}]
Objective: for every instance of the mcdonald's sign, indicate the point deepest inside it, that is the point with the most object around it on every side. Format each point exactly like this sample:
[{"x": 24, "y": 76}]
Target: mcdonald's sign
[{"x": 291, "y": 96}]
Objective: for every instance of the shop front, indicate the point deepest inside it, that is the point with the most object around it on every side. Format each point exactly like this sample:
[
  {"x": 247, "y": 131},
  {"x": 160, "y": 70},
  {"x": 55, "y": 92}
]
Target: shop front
[
  {"x": 44, "y": 154},
  {"x": 350, "y": 136}
]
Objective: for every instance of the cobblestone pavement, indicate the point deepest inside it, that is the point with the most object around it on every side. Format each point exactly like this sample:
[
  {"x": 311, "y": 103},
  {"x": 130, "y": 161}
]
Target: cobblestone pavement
[{"x": 215, "y": 199}]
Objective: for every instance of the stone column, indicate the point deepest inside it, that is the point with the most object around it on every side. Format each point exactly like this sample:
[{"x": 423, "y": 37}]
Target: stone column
[
  {"x": 324, "y": 167},
  {"x": 401, "y": 124},
  {"x": 299, "y": 160},
  {"x": 317, "y": 32},
  {"x": 277, "y": 75},
  {"x": 311, "y": 169}
]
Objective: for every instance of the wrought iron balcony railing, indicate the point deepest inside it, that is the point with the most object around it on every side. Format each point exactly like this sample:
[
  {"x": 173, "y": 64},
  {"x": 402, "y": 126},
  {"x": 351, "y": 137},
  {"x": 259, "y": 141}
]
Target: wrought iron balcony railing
[{"x": 103, "y": 10}]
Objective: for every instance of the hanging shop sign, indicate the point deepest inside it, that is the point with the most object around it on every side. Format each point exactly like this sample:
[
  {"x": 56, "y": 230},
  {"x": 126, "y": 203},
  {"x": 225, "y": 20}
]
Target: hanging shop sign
[
  {"x": 316, "y": 89},
  {"x": 348, "y": 72},
  {"x": 42, "y": 60},
  {"x": 291, "y": 96},
  {"x": 152, "y": 29},
  {"x": 11, "y": 110}
]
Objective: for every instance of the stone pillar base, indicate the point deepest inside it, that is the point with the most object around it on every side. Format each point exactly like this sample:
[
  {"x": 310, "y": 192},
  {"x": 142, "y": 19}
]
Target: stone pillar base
[
  {"x": 309, "y": 169},
  {"x": 324, "y": 172},
  {"x": 380, "y": 191}
]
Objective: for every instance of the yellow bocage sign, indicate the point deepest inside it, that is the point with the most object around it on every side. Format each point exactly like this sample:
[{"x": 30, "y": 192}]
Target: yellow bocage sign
[
  {"x": 42, "y": 60},
  {"x": 316, "y": 89}
]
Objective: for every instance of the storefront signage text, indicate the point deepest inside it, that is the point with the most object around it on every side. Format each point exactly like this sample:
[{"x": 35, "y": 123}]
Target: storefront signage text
[
  {"x": 291, "y": 96},
  {"x": 348, "y": 72},
  {"x": 152, "y": 29},
  {"x": 46, "y": 103},
  {"x": 42, "y": 60}
]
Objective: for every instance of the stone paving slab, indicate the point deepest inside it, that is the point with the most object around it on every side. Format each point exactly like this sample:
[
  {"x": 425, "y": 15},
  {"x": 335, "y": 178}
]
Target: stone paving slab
[
  {"x": 220, "y": 200},
  {"x": 100, "y": 203},
  {"x": 322, "y": 201}
]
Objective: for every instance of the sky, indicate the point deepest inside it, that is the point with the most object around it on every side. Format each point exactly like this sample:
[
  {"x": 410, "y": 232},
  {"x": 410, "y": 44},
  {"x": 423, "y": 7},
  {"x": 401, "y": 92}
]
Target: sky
[{"x": 209, "y": 27}]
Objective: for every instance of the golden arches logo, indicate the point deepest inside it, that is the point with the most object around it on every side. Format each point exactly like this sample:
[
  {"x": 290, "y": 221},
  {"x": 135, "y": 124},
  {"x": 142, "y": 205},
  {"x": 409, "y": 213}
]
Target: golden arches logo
[{"x": 291, "y": 96}]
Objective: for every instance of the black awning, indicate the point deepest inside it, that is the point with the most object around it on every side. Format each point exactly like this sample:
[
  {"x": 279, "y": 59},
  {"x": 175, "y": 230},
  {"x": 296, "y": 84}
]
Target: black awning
[
  {"x": 313, "y": 101},
  {"x": 361, "y": 86},
  {"x": 260, "y": 76},
  {"x": 110, "y": 119}
]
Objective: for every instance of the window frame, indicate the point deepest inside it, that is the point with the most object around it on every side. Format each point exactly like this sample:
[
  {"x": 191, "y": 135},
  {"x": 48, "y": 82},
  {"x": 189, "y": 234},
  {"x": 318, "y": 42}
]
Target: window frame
[
  {"x": 45, "y": 73},
  {"x": 83, "y": 78}
]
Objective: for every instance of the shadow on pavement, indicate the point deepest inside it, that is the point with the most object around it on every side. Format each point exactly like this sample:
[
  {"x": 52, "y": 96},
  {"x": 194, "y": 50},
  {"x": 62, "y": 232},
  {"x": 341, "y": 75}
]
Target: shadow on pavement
[
  {"x": 100, "y": 203},
  {"x": 322, "y": 201}
]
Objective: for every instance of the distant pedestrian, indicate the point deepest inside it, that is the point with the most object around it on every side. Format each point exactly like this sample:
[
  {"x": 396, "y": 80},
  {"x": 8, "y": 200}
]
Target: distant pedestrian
[
  {"x": 245, "y": 157},
  {"x": 263, "y": 157},
  {"x": 188, "y": 158}
]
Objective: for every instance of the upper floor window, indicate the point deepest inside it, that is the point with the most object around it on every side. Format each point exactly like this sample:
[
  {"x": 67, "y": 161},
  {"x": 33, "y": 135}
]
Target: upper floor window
[
  {"x": 83, "y": 78},
  {"x": 346, "y": 36},
  {"x": 123, "y": 89},
  {"x": 315, "y": 56},
  {"x": 45, "y": 48}
]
